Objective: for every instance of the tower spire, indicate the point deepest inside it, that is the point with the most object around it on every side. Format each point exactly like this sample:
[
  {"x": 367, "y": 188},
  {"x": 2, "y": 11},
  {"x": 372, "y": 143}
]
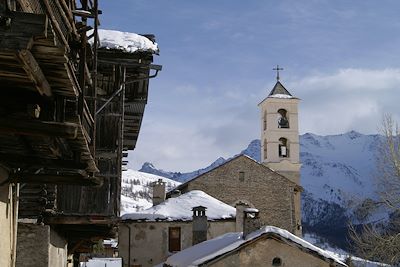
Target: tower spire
[{"x": 277, "y": 72}]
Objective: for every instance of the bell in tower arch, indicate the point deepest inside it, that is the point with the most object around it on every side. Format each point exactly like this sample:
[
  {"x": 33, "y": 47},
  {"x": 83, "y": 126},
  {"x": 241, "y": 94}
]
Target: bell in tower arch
[{"x": 283, "y": 121}]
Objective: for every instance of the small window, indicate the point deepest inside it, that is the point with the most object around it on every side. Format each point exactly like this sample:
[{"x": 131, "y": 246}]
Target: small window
[
  {"x": 174, "y": 239},
  {"x": 276, "y": 261},
  {"x": 265, "y": 149},
  {"x": 283, "y": 121},
  {"x": 265, "y": 121},
  {"x": 283, "y": 148},
  {"x": 241, "y": 176}
]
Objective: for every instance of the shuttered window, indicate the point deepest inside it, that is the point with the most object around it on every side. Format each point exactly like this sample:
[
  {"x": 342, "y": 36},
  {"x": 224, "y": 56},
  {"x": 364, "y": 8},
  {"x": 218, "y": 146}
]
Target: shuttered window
[{"x": 174, "y": 239}]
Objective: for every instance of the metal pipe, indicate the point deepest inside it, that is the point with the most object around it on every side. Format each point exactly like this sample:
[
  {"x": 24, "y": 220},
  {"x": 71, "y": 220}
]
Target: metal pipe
[
  {"x": 121, "y": 88},
  {"x": 94, "y": 93},
  {"x": 129, "y": 243}
]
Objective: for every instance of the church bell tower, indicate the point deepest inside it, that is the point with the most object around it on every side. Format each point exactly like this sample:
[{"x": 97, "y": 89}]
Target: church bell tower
[{"x": 280, "y": 149}]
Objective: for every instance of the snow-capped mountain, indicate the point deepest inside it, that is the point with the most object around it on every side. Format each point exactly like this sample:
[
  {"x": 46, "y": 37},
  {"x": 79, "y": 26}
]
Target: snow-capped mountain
[
  {"x": 335, "y": 168},
  {"x": 136, "y": 191},
  {"x": 178, "y": 176},
  {"x": 337, "y": 174}
]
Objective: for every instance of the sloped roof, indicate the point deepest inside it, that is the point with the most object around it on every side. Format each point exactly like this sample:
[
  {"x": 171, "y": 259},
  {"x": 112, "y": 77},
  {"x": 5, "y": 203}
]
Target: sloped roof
[
  {"x": 279, "y": 89},
  {"x": 212, "y": 249},
  {"x": 180, "y": 209},
  {"x": 228, "y": 161}
]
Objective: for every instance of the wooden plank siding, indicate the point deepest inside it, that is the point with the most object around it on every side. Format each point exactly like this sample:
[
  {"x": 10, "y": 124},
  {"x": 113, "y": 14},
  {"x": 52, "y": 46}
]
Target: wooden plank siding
[{"x": 67, "y": 158}]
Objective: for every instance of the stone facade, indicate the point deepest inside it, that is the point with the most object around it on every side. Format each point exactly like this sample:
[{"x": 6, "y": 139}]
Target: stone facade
[
  {"x": 149, "y": 240},
  {"x": 265, "y": 252},
  {"x": 8, "y": 220},
  {"x": 243, "y": 179},
  {"x": 273, "y": 110},
  {"x": 40, "y": 245}
]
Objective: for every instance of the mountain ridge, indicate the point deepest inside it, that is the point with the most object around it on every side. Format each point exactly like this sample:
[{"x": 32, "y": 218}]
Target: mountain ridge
[{"x": 338, "y": 175}]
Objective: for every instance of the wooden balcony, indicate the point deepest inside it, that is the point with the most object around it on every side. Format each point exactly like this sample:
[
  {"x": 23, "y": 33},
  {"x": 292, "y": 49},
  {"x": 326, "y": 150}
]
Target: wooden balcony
[{"x": 46, "y": 126}]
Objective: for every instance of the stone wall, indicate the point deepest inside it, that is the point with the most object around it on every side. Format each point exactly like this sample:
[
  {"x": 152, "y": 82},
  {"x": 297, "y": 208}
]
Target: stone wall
[
  {"x": 269, "y": 192},
  {"x": 39, "y": 245},
  {"x": 149, "y": 240},
  {"x": 264, "y": 251}
]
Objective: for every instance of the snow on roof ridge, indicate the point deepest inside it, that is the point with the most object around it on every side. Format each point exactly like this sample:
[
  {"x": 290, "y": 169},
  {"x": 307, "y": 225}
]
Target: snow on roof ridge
[
  {"x": 180, "y": 208},
  {"x": 286, "y": 234},
  {"x": 208, "y": 250},
  {"x": 126, "y": 41},
  {"x": 281, "y": 96}
]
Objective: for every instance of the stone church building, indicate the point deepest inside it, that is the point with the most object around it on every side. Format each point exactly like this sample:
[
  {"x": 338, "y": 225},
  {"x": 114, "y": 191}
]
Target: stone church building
[{"x": 273, "y": 186}]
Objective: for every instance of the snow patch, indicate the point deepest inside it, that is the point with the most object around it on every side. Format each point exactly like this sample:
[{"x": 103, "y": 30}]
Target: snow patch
[
  {"x": 281, "y": 96},
  {"x": 125, "y": 41},
  {"x": 180, "y": 208}
]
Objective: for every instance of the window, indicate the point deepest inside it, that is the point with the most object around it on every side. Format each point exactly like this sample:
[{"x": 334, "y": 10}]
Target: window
[
  {"x": 283, "y": 121},
  {"x": 276, "y": 261},
  {"x": 241, "y": 176},
  {"x": 265, "y": 121},
  {"x": 283, "y": 148},
  {"x": 174, "y": 239},
  {"x": 265, "y": 149}
]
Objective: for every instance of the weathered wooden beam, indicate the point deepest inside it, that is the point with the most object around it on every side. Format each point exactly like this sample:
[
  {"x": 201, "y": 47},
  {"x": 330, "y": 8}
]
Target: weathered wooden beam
[
  {"x": 39, "y": 128},
  {"x": 55, "y": 24},
  {"x": 106, "y": 154},
  {"x": 76, "y": 179},
  {"x": 86, "y": 219},
  {"x": 36, "y": 162},
  {"x": 26, "y": 6},
  {"x": 34, "y": 72},
  {"x": 24, "y": 27}
]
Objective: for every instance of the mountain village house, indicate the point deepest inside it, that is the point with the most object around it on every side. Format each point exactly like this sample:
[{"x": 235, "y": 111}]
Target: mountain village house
[
  {"x": 148, "y": 237},
  {"x": 273, "y": 186},
  {"x": 266, "y": 193},
  {"x": 268, "y": 246},
  {"x": 72, "y": 103}
]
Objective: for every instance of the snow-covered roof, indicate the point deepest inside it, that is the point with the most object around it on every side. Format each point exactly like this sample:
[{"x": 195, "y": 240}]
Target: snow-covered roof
[
  {"x": 281, "y": 96},
  {"x": 126, "y": 41},
  {"x": 180, "y": 209},
  {"x": 101, "y": 262},
  {"x": 208, "y": 250}
]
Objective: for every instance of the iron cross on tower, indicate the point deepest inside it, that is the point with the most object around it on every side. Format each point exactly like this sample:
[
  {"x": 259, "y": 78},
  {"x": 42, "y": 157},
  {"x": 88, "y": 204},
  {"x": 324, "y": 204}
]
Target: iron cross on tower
[{"x": 277, "y": 71}]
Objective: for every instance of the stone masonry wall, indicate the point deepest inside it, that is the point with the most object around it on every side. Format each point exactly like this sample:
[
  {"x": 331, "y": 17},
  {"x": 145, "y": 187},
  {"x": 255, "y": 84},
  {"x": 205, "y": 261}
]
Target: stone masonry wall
[
  {"x": 264, "y": 189},
  {"x": 40, "y": 246},
  {"x": 33, "y": 245},
  {"x": 264, "y": 251}
]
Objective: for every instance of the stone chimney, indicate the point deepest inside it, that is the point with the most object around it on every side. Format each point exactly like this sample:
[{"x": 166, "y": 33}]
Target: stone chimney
[
  {"x": 200, "y": 224},
  {"x": 158, "y": 192},
  {"x": 251, "y": 221},
  {"x": 240, "y": 207}
]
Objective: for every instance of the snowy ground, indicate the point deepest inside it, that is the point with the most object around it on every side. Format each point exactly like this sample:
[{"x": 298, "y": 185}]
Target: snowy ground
[
  {"x": 103, "y": 262},
  {"x": 136, "y": 192}
]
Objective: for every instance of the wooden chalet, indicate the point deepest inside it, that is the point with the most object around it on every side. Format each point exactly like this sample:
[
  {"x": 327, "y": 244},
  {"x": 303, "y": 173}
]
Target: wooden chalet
[
  {"x": 47, "y": 124},
  {"x": 69, "y": 111},
  {"x": 87, "y": 212}
]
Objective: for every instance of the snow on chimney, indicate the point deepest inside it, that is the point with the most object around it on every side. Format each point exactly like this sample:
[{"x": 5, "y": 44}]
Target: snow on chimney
[
  {"x": 240, "y": 207},
  {"x": 158, "y": 192},
  {"x": 200, "y": 224},
  {"x": 251, "y": 221}
]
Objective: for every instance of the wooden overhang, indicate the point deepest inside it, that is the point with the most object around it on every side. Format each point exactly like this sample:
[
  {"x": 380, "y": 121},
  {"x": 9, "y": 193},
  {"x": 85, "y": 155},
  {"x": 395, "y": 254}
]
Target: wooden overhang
[
  {"x": 43, "y": 137},
  {"x": 137, "y": 67}
]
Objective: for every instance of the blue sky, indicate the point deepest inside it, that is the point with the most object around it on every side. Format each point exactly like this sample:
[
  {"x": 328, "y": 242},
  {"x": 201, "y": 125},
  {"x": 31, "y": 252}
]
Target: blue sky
[{"x": 340, "y": 57}]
